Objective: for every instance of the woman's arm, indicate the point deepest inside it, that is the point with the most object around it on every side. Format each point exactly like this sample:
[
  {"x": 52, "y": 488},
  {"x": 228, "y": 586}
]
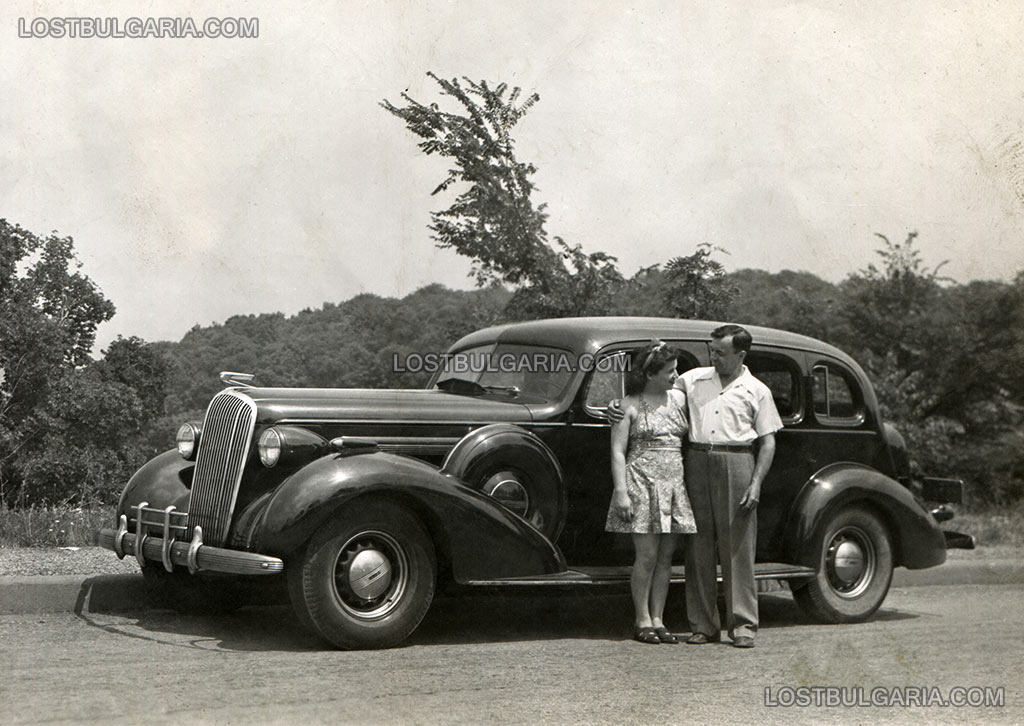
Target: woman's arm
[{"x": 621, "y": 504}]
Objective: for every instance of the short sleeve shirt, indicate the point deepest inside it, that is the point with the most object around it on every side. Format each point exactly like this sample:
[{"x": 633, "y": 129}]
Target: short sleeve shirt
[{"x": 740, "y": 413}]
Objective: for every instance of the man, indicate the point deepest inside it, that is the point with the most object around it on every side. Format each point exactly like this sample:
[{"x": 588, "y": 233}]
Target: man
[{"x": 729, "y": 411}]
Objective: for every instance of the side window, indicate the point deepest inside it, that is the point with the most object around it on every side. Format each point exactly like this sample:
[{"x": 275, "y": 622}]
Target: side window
[
  {"x": 782, "y": 376},
  {"x": 836, "y": 397},
  {"x": 608, "y": 380}
]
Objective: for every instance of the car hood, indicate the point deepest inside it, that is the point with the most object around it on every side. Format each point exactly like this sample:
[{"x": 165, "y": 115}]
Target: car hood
[{"x": 350, "y": 404}]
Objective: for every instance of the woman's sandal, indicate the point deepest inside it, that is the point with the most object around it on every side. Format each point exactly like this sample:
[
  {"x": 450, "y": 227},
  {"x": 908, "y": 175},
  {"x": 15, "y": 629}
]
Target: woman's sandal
[
  {"x": 646, "y": 635},
  {"x": 664, "y": 636}
]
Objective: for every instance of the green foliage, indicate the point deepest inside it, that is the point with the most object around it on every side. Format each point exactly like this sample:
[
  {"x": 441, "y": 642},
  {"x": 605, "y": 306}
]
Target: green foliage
[
  {"x": 696, "y": 286},
  {"x": 346, "y": 345},
  {"x": 66, "y": 423},
  {"x": 53, "y": 526},
  {"x": 494, "y": 221}
]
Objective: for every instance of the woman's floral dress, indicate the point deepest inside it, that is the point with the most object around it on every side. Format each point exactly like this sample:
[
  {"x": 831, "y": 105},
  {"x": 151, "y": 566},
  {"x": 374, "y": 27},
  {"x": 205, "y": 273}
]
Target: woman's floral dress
[{"x": 654, "y": 471}]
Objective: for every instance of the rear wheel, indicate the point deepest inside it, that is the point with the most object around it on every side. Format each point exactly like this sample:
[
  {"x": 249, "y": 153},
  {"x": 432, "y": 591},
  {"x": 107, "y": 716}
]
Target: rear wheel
[
  {"x": 367, "y": 579},
  {"x": 854, "y": 569}
]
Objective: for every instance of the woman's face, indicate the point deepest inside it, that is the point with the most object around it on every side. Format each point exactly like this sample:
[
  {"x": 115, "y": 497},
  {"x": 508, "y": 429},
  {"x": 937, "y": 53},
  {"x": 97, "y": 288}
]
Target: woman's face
[{"x": 664, "y": 377}]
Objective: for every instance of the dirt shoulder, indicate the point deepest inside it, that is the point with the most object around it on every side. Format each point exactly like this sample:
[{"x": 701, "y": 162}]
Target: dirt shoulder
[{"x": 28, "y": 561}]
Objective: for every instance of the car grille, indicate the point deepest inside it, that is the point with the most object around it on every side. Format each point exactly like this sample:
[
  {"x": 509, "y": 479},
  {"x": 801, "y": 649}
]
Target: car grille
[{"x": 223, "y": 450}]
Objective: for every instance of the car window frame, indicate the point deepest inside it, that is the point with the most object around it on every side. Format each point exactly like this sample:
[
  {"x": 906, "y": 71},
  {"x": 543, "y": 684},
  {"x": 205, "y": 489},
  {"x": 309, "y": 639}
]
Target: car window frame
[
  {"x": 856, "y": 394},
  {"x": 601, "y": 412},
  {"x": 793, "y": 361}
]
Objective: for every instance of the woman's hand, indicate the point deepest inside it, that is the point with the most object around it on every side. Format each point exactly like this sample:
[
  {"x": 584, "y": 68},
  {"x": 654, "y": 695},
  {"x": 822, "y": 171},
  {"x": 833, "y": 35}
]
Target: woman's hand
[{"x": 622, "y": 505}]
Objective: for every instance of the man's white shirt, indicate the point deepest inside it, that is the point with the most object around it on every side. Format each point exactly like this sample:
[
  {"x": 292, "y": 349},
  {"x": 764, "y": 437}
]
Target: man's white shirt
[{"x": 740, "y": 413}]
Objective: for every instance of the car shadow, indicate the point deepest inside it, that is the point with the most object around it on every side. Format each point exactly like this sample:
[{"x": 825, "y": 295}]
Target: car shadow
[
  {"x": 524, "y": 615},
  {"x": 489, "y": 615}
]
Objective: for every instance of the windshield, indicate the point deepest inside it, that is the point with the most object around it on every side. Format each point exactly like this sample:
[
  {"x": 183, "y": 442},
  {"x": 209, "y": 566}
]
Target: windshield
[{"x": 508, "y": 369}]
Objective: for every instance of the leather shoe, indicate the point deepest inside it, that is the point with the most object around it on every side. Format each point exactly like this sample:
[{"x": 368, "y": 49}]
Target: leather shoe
[
  {"x": 665, "y": 636},
  {"x": 646, "y": 635},
  {"x": 743, "y": 641},
  {"x": 701, "y": 639}
]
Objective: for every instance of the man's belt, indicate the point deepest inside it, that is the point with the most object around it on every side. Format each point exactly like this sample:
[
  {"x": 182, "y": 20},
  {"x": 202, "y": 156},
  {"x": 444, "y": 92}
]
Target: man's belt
[{"x": 723, "y": 448}]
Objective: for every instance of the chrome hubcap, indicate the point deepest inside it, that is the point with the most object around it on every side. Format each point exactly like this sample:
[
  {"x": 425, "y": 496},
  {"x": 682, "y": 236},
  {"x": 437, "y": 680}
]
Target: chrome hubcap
[
  {"x": 371, "y": 574},
  {"x": 850, "y": 562}
]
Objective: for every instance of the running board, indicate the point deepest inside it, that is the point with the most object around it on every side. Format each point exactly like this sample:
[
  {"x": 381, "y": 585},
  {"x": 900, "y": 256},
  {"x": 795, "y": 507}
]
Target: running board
[{"x": 620, "y": 575}]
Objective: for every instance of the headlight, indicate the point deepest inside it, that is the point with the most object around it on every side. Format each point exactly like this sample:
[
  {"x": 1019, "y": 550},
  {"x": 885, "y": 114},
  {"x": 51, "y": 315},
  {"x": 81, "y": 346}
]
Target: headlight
[
  {"x": 188, "y": 440},
  {"x": 269, "y": 447}
]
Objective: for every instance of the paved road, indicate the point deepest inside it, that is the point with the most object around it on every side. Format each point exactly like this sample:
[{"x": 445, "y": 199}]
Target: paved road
[{"x": 521, "y": 659}]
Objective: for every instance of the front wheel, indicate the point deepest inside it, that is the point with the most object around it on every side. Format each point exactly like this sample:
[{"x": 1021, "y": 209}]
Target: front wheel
[
  {"x": 854, "y": 569},
  {"x": 366, "y": 579}
]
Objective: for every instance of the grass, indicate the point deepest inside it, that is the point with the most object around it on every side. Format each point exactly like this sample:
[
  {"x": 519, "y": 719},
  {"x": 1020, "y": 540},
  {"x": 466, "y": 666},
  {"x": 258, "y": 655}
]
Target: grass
[
  {"x": 992, "y": 526},
  {"x": 54, "y": 526}
]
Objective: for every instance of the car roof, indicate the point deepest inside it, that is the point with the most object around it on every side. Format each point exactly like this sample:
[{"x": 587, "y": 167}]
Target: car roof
[{"x": 582, "y": 335}]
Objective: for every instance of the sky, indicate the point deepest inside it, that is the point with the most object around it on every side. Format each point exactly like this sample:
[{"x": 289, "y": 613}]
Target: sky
[{"x": 205, "y": 178}]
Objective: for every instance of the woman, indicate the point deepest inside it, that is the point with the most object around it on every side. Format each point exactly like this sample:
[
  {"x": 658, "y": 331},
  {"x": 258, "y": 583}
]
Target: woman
[{"x": 650, "y": 501}]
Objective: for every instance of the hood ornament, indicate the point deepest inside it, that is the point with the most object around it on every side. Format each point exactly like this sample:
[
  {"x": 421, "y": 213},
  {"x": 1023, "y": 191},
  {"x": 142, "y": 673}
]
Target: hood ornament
[{"x": 231, "y": 378}]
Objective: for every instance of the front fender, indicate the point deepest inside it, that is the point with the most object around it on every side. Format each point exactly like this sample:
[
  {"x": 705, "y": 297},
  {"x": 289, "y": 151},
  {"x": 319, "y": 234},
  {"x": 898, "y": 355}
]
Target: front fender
[
  {"x": 162, "y": 481},
  {"x": 479, "y": 537},
  {"x": 917, "y": 540}
]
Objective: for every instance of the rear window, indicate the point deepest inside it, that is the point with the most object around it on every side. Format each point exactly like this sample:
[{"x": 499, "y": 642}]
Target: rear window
[{"x": 837, "y": 399}]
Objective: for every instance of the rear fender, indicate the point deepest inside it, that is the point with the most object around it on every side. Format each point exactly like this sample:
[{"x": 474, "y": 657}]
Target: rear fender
[
  {"x": 916, "y": 538},
  {"x": 479, "y": 537}
]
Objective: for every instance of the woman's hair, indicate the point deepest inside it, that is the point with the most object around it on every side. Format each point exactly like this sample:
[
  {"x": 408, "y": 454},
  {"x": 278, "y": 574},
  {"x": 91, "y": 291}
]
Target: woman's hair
[{"x": 646, "y": 362}]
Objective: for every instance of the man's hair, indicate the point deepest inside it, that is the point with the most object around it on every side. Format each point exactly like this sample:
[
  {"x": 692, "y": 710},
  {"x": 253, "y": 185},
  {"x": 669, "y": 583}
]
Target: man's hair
[
  {"x": 647, "y": 361},
  {"x": 741, "y": 339}
]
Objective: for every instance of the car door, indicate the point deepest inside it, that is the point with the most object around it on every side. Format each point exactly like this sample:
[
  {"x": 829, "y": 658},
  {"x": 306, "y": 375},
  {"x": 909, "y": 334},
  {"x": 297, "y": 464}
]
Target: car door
[{"x": 586, "y": 455}]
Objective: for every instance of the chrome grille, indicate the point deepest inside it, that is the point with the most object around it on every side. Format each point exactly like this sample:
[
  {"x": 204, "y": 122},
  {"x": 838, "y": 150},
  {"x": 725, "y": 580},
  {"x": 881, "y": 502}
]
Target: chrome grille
[{"x": 223, "y": 449}]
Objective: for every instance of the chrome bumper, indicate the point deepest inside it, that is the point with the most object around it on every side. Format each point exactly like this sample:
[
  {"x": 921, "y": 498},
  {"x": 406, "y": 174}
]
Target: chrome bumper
[{"x": 171, "y": 552}]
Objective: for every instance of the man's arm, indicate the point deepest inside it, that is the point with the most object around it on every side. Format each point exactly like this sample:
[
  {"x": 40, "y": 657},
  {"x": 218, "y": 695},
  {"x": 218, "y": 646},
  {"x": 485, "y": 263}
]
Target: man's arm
[{"x": 765, "y": 454}]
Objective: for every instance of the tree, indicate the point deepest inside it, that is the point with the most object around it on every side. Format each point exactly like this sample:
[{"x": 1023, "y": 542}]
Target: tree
[
  {"x": 697, "y": 286},
  {"x": 49, "y": 312},
  {"x": 893, "y": 308},
  {"x": 494, "y": 221}
]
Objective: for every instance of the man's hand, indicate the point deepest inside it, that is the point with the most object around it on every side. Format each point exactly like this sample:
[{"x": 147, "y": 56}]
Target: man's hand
[
  {"x": 622, "y": 506},
  {"x": 615, "y": 410},
  {"x": 751, "y": 497}
]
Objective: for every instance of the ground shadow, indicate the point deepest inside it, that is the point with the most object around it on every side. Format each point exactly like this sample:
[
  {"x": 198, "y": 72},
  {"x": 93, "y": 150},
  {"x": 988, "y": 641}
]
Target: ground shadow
[{"x": 487, "y": 615}]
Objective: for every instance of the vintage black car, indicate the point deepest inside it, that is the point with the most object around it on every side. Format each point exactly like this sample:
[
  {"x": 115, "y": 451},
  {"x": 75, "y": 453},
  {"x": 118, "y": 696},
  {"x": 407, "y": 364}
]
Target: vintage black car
[{"x": 498, "y": 473}]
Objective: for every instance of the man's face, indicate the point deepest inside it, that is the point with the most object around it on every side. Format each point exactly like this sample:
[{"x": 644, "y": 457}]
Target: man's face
[{"x": 724, "y": 357}]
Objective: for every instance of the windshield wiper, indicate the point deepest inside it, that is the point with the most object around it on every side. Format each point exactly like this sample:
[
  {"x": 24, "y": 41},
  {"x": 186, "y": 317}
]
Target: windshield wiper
[
  {"x": 462, "y": 386},
  {"x": 512, "y": 391}
]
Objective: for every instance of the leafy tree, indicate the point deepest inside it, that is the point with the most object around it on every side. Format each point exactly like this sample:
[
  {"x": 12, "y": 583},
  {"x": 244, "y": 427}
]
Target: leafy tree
[
  {"x": 49, "y": 312},
  {"x": 494, "y": 221},
  {"x": 943, "y": 359},
  {"x": 697, "y": 286},
  {"x": 135, "y": 363},
  {"x": 892, "y": 308},
  {"x": 85, "y": 443},
  {"x": 788, "y": 300}
]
